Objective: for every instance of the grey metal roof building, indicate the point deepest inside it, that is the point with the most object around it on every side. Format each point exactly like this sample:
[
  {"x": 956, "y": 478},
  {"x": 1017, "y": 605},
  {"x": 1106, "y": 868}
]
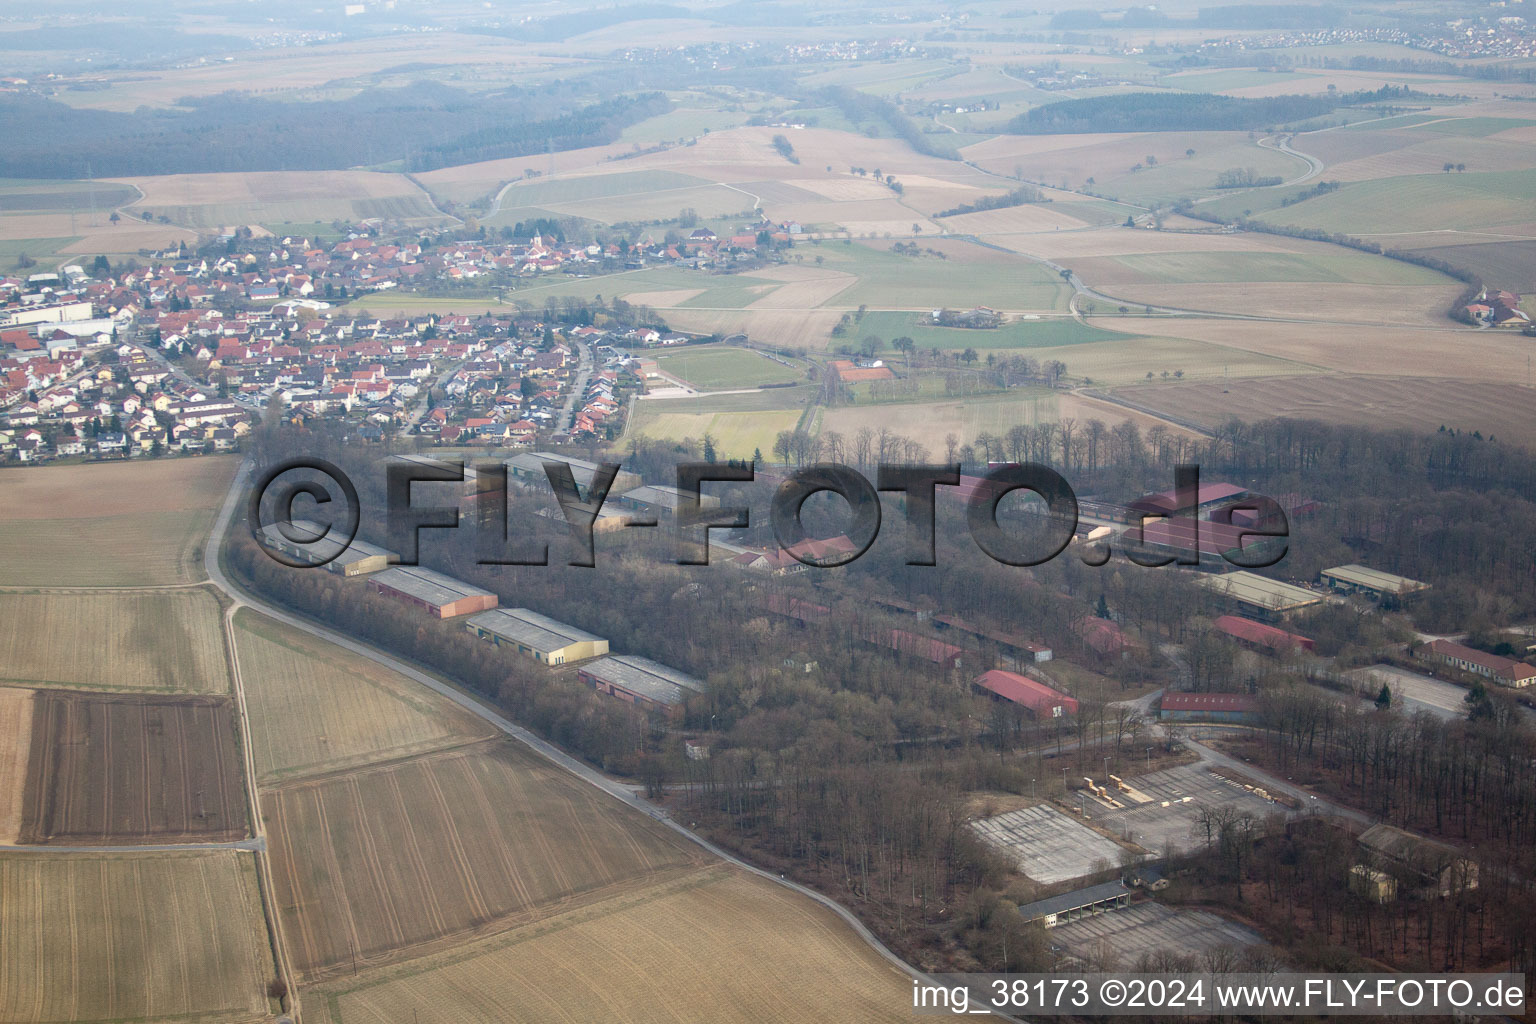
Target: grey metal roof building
[
  {"x": 636, "y": 678},
  {"x": 1266, "y": 597},
  {"x": 538, "y": 636},
  {"x": 529, "y": 468},
  {"x": 1069, "y": 905},
  {"x": 1363, "y": 579},
  {"x": 443, "y": 595},
  {"x": 354, "y": 559},
  {"x": 661, "y": 498}
]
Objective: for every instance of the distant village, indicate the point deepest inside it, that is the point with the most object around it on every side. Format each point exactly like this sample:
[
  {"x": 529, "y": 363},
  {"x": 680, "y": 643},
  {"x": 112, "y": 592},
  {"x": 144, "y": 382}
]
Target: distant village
[{"x": 184, "y": 353}]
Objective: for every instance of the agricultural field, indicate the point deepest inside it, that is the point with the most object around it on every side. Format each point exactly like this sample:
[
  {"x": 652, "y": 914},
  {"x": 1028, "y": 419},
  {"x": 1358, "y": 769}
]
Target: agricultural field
[
  {"x": 1314, "y": 264},
  {"x": 315, "y": 707},
  {"x": 43, "y": 219},
  {"x": 209, "y": 202},
  {"x": 1496, "y": 356},
  {"x": 928, "y": 423},
  {"x": 968, "y": 276},
  {"x": 621, "y": 196},
  {"x": 109, "y": 525},
  {"x": 1408, "y": 203},
  {"x": 1508, "y": 264},
  {"x": 169, "y": 640},
  {"x": 390, "y": 862},
  {"x": 715, "y": 937},
  {"x": 1109, "y": 159},
  {"x": 1130, "y": 359},
  {"x": 113, "y": 769},
  {"x": 133, "y": 937},
  {"x": 1310, "y": 280},
  {"x": 1423, "y": 404},
  {"x": 739, "y": 423},
  {"x": 15, "y": 745},
  {"x": 1015, "y": 334},
  {"x": 713, "y": 367}
]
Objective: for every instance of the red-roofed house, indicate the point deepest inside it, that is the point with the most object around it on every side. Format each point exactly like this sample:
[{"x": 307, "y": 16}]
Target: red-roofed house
[
  {"x": 1103, "y": 637},
  {"x": 1262, "y": 637},
  {"x": 1505, "y": 671},
  {"x": 1039, "y": 699}
]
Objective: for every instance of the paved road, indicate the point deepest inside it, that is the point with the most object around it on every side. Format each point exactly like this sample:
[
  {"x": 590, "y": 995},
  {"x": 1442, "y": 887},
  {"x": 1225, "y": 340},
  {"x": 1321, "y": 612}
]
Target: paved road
[
  {"x": 1274, "y": 783},
  {"x": 578, "y": 387},
  {"x": 618, "y": 790}
]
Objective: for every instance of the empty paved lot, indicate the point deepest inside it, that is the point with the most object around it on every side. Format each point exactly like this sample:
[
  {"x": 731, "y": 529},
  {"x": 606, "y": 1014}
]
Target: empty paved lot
[
  {"x": 1048, "y": 845},
  {"x": 1412, "y": 691},
  {"x": 1150, "y": 928},
  {"x": 1185, "y": 789}
]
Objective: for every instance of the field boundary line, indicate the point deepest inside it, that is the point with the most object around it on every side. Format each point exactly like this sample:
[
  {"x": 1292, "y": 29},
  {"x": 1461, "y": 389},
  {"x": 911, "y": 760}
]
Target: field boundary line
[{"x": 265, "y": 882}]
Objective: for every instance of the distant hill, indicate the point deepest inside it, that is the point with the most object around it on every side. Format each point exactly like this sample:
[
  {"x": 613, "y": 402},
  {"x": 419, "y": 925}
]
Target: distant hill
[{"x": 1169, "y": 112}]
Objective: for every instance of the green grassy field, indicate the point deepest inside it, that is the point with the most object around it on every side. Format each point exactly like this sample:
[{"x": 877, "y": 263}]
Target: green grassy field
[
  {"x": 987, "y": 278},
  {"x": 1196, "y": 176},
  {"x": 738, "y": 423},
  {"x": 37, "y": 249},
  {"x": 210, "y": 216},
  {"x": 1221, "y": 81},
  {"x": 693, "y": 117},
  {"x": 539, "y": 192},
  {"x": 22, "y": 196},
  {"x": 883, "y": 78},
  {"x": 712, "y": 367},
  {"x": 1419, "y": 202},
  {"x": 727, "y": 291},
  {"x": 1018, "y": 334},
  {"x": 1400, "y": 121},
  {"x": 1130, "y": 359},
  {"x": 1472, "y": 127}
]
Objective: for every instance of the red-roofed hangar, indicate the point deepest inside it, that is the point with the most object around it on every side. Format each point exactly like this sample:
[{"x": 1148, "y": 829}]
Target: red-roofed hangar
[{"x": 1041, "y": 700}]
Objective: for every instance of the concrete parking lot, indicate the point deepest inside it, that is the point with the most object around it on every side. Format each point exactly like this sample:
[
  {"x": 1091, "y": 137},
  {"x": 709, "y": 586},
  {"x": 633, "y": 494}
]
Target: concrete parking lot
[
  {"x": 1048, "y": 845},
  {"x": 1149, "y": 928},
  {"x": 1183, "y": 790}
]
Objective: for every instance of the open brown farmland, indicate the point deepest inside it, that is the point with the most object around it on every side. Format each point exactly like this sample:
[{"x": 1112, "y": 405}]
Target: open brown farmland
[
  {"x": 146, "y": 639},
  {"x": 316, "y": 707},
  {"x": 718, "y": 938},
  {"x": 386, "y": 862},
  {"x": 112, "y": 524},
  {"x": 114, "y": 769},
  {"x": 1494, "y": 356},
  {"x": 1507, "y": 264},
  {"x": 132, "y": 937},
  {"x": 1405, "y": 305},
  {"x": 1505, "y": 411},
  {"x": 15, "y": 743}
]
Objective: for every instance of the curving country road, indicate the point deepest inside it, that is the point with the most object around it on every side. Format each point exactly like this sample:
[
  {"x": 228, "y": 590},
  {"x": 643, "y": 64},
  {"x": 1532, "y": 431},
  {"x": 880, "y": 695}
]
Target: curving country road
[{"x": 581, "y": 770}]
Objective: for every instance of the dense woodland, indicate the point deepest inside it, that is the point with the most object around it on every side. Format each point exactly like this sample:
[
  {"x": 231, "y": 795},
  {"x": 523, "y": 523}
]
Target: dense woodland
[
  {"x": 416, "y": 128},
  {"x": 864, "y": 108},
  {"x": 1170, "y": 112},
  {"x": 854, "y": 775}
]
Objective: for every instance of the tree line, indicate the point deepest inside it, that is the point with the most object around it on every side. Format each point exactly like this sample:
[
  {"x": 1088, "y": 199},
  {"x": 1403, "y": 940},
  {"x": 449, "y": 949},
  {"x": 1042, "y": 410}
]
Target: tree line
[{"x": 420, "y": 127}]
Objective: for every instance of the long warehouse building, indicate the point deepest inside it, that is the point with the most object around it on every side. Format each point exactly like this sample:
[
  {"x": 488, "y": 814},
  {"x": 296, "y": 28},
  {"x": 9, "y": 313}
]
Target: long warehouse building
[
  {"x": 443, "y": 596},
  {"x": 640, "y": 681},
  {"x": 355, "y": 559},
  {"x": 538, "y": 636}
]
